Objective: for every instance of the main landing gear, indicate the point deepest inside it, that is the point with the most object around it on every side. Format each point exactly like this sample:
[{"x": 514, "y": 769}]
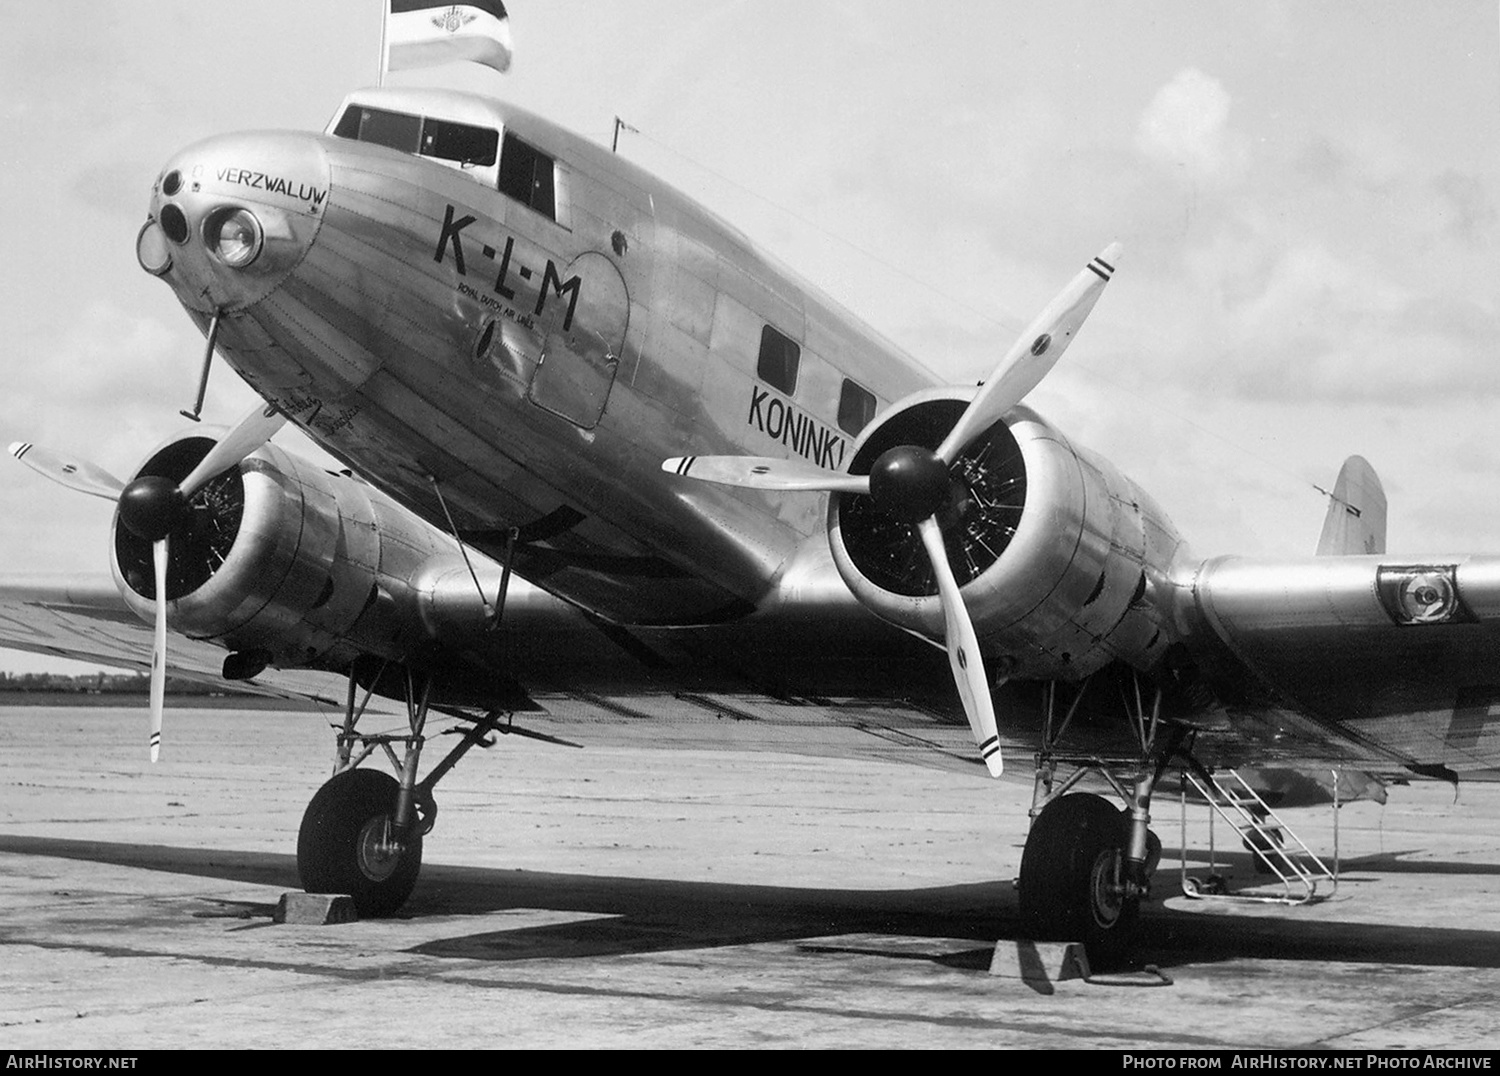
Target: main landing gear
[
  {"x": 362, "y": 833},
  {"x": 1087, "y": 865},
  {"x": 349, "y": 843}
]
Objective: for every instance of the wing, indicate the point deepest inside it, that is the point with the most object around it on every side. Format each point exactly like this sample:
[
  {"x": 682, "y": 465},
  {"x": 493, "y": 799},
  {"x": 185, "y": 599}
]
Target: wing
[
  {"x": 85, "y": 618},
  {"x": 886, "y": 730},
  {"x": 1386, "y": 664},
  {"x": 601, "y": 683},
  {"x": 1400, "y": 656}
]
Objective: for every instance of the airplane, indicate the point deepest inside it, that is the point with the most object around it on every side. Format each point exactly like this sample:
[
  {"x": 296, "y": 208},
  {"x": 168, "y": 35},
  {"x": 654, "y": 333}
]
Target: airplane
[{"x": 595, "y": 442}]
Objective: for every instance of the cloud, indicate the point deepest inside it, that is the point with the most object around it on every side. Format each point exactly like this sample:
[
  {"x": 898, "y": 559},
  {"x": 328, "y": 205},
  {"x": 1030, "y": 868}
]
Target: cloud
[
  {"x": 1301, "y": 323},
  {"x": 1464, "y": 205},
  {"x": 107, "y": 384},
  {"x": 1186, "y": 125}
]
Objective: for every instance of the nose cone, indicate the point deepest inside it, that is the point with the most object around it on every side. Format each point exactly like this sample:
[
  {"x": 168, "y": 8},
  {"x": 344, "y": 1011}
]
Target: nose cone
[{"x": 232, "y": 216}]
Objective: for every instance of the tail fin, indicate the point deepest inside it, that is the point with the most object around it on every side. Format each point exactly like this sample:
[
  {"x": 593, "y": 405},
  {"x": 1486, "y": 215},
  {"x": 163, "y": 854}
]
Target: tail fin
[{"x": 1356, "y": 514}]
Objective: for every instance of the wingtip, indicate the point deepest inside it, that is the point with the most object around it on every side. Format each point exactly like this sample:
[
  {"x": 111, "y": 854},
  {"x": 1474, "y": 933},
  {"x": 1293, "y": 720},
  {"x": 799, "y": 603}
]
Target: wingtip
[
  {"x": 1111, "y": 254},
  {"x": 18, "y": 448}
]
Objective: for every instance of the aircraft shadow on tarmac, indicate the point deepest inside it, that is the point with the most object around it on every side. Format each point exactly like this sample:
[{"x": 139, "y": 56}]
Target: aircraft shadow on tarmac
[
  {"x": 1395, "y": 863},
  {"x": 645, "y": 915}
]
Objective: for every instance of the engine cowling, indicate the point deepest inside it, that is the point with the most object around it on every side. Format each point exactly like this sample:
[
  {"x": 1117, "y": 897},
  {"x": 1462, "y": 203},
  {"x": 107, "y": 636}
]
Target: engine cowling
[
  {"x": 281, "y": 559},
  {"x": 1060, "y": 558}
]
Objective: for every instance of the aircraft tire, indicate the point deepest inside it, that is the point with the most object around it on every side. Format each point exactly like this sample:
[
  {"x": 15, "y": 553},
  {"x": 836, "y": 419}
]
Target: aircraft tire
[
  {"x": 1071, "y": 856},
  {"x": 1259, "y": 845},
  {"x": 335, "y": 845}
]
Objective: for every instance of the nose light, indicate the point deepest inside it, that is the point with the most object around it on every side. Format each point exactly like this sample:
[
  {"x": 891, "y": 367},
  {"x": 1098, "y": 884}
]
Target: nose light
[
  {"x": 151, "y": 249},
  {"x": 233, "y": 235},
  {"x": 174, "y": 223}
]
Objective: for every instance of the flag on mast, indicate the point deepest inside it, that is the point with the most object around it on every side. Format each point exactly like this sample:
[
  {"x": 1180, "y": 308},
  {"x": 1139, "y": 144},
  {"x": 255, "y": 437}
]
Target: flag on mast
[{"x": 420, "y": 33}]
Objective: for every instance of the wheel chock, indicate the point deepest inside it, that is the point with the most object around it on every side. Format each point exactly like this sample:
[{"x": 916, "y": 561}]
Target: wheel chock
[
  {"x": 1039, "y": 962},
  {"x": 315, "y": 909}
]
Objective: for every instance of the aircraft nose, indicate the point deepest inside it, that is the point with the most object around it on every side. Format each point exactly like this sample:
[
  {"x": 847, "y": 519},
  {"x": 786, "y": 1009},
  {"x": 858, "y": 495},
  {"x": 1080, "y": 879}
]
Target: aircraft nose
[{"x": 232, "y": 216}]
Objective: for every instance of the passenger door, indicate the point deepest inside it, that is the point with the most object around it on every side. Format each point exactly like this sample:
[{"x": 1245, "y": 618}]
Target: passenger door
[{"x": 583, "y": 336}]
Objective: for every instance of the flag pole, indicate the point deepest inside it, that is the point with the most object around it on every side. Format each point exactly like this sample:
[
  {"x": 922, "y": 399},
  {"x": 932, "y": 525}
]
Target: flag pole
[{"x": 384, "y": 45}]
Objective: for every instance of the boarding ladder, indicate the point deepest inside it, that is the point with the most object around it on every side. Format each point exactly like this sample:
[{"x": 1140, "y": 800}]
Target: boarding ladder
[{"x": 1278, "y": 851}]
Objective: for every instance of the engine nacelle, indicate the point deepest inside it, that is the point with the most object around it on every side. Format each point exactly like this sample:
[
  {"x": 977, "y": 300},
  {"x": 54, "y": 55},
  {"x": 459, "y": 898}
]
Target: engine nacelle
[
  {"x": 281, "y": 559},
  {"x": 1063, "y": 562}
]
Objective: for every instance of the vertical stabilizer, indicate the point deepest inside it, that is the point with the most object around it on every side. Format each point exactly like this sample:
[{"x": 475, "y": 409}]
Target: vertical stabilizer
[{"x": 1356, "y": 513}]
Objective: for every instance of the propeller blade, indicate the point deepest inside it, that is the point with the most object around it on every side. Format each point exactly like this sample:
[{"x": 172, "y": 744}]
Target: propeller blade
[
  {"x": 1034, "y": 354},
  {"x": 254, "y": 430},
  {"x": 159, "y": 647},
  {"x": 76, "y": 474},
  {"x": 765, "y": 472},
  {"x": 963, "y": 650}
]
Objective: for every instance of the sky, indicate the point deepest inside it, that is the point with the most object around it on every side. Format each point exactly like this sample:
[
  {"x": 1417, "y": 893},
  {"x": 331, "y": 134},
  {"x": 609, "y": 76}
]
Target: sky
[{"x": 1308, "y": 196}]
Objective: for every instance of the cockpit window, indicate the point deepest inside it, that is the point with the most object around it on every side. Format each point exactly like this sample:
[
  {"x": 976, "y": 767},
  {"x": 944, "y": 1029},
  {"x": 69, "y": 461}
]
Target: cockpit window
[
  {"x": 526, "y": 176},
  {"x": 458, "y": 142},
  {"x": 442, "y": 139},
  {"x": 393, "y": 129}
]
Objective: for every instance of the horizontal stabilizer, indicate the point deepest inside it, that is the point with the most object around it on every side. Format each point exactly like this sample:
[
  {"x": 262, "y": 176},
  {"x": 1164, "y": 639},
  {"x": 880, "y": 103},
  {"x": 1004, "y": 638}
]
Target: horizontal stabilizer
[{"x": 1356, "y": 513}]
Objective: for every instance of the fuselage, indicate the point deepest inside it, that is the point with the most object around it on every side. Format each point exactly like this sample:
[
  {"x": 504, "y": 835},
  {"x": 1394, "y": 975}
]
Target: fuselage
[{"x": 536, "y": 351}]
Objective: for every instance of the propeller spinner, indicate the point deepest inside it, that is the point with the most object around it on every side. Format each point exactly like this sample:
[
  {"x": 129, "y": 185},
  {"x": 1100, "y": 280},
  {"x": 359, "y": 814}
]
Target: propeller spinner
[
  {"x": 150, "y": 507},
  {"x": 913, "y": 483}
]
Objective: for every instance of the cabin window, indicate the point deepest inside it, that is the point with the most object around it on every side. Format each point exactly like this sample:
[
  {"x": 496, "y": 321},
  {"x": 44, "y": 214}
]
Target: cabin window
[
  {"x": 856, "y": 407},
  {"x": 526, "y": 176},
  {"x": 779, "y": 357},
  {"x": 447, "y": 141}
]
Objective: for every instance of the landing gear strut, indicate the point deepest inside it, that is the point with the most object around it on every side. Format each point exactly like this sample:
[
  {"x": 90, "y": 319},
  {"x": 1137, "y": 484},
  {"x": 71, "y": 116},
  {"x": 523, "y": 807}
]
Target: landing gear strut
[
  {"x": 362, "y": 833},
  {"x": 1087, "y": 865}
]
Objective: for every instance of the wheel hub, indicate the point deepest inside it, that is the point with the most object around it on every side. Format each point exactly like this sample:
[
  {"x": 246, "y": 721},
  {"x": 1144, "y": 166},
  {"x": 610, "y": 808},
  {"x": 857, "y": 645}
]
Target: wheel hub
[
  {"x": 1106, "y": 889},
  {"x": 378, "y": 855}
]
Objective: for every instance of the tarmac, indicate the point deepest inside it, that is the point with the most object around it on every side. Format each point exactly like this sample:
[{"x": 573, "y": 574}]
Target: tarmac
[{"x": 629, "y": 897}]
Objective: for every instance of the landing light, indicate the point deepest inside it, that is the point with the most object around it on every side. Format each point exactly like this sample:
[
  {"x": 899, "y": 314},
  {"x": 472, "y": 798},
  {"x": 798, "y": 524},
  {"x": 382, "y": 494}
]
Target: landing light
[
  {"x": 233, "y": 235},
  {"x": 1421, "y": 594}
]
